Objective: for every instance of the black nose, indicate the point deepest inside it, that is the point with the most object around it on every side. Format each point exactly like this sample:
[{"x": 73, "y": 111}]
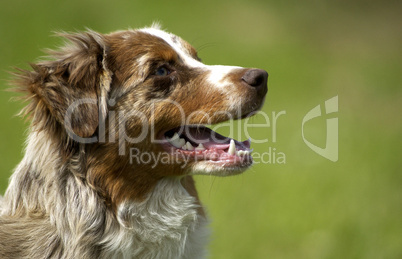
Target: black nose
[{"x": 256, "y": 78}]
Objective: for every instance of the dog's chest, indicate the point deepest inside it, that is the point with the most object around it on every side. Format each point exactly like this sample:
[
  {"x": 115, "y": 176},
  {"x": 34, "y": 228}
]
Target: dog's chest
[{"x": 166, "y": 225}]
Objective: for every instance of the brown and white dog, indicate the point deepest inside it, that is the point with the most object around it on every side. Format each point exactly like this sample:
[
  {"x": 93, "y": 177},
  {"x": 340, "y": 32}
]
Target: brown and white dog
[{"x": 116, "y": 135}]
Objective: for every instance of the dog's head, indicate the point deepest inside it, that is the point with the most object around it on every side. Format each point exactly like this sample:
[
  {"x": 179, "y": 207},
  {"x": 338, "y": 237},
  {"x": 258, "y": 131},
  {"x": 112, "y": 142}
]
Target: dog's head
[{"x": 137, "y": 101}]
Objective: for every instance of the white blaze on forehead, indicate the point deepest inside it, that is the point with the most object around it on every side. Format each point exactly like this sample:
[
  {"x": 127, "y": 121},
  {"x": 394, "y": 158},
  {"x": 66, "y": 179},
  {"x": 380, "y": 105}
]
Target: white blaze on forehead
[
  {"x": 175, "y": 43},
  {"x": 218, "y": 74}
]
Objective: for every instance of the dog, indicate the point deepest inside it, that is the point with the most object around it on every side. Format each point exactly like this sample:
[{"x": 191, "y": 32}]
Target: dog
[{"x": 117, "y": 132}]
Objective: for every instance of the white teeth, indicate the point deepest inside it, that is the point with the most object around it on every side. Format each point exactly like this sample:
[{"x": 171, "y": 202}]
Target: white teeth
[
  {"x": 189, "y": 146},
  {"x": 200, "y": 147},
  {"x": 232, "y": 147},
  {"x": 243, "y": 153},
  {"x": 176, "y": 141},
  {"x": 182, "y": 142},
  {"x": 232, "y": 150}
]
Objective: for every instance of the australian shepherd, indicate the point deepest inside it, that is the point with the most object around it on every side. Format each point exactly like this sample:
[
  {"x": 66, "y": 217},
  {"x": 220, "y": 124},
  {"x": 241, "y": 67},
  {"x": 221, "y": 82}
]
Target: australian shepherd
[{"x": 117, "y": 132}]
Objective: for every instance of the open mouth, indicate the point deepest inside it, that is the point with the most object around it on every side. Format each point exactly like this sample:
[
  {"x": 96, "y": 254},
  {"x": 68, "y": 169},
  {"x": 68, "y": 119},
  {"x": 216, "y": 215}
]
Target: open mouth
[{"x": 201, "y": 143}]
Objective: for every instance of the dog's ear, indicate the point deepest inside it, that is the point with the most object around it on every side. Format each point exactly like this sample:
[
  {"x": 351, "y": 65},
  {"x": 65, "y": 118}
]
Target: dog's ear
[{"x": 73, "y": 86}]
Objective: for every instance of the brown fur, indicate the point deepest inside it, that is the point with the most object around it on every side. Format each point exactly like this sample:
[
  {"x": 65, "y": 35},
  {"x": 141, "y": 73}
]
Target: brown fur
[{"x": 64, "y": 198}]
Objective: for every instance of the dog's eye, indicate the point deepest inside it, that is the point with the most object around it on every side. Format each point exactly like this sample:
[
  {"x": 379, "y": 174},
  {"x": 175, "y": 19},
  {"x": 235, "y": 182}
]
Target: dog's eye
[{"x": 162, "y": 71}]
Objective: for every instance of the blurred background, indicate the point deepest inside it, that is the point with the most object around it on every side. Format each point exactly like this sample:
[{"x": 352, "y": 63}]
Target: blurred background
[{"x": 301, "y": 205}]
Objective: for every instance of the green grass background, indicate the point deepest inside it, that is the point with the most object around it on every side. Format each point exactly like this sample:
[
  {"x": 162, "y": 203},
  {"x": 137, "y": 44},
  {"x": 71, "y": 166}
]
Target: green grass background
[{"x": 308, "y": 207}]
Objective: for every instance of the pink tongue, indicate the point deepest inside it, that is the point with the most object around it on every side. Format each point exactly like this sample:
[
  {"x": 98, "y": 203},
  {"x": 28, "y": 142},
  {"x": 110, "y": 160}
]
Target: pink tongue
[
  {"x": 212, "y": 145},
  {"x": 211, "y": 139}
]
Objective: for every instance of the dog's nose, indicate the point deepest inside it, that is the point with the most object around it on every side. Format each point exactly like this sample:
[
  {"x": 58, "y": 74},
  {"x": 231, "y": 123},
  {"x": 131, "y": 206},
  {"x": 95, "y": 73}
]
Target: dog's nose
[{"x": 256, "y": 78}]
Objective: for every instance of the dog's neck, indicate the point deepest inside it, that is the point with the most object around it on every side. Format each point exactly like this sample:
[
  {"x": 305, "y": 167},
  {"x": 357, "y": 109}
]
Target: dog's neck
[
  {"x": 165, "y": 224},
  {"x": 169, "y": 217}
]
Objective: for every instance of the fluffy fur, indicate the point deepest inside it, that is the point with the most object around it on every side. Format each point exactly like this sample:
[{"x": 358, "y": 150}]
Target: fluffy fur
[{"x": 77, "y": 193}]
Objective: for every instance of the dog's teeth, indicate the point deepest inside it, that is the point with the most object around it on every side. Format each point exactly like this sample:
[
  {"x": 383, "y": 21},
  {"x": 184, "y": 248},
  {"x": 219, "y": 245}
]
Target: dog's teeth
[
  {"x": 176, "y": 141},
  {"x": 189, "y": 146},
  {"x": 184, "y": 147},
  {"x": 232, "y": 147},
  {"x": 182, "y": 142},
  {"x": 242, "y": 153},
  {"x": 200, "y": 147}
]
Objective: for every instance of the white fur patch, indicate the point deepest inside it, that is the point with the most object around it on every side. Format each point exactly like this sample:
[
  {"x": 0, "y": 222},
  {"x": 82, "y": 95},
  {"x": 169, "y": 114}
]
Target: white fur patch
[
  {"x": 217, "y": 74},
  {"x": 175, "y": 44},
  {"x": 165, "y": 225}
]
